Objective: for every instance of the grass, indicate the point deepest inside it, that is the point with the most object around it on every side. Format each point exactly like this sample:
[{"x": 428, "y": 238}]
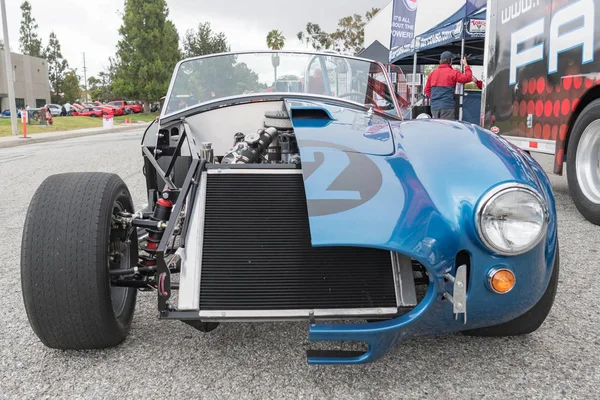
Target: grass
[
  {"x": 137, "y": 117},
  {"x": 69, "y": 124}
]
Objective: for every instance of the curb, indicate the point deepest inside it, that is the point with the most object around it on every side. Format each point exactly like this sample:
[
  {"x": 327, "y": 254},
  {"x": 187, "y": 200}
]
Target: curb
[{"x": 41, "y": 138}]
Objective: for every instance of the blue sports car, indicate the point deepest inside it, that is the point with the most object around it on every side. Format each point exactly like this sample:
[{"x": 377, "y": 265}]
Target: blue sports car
[
  {"x": 315, "y": 203},
  {"x": 6, "y": 114}
]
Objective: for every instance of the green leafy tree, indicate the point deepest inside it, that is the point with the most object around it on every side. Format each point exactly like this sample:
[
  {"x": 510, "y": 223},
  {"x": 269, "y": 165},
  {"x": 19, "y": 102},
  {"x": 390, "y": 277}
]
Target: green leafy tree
[
  {"x": 29, "y": 41},
  {"x": 315, "y": 37},
  {"x": 350, "y": 34},
  {"x": 147, "y": 51},
  {"x": 275, "y": 41},
  {"x": 56, "y": 67},
  {"x": 204, "y": 79},
  {"x": 70, "y": 87},
  {"x": 100, "y": 87},
  {"x": 370, "y": 14},
  {"x": 429, "y": 69},
  {"x": 94, "y": 88},
  {"x": 347, "y": 38},
  {"x": 204, "y": 41}
]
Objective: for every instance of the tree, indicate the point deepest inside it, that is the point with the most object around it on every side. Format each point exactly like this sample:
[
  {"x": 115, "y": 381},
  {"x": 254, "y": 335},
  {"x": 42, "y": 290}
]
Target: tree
[
  {"x": 147, "y": 51},
  {"x": 94, "y": 88},
  {"x": 70, "y": 87},
  {"x": 275, "y": 41},
  {"x": 204, "y": 41},
  {"x": 314, "y": 36},
  {"x": 216, "y": 76},
  {"x": 100, "y": 88},
  {"x": 29, "y": 42},
  {"x": 56, "y": 67},
  {"x": 347, "y": 38},
  {"x": 370, "y": 14}
]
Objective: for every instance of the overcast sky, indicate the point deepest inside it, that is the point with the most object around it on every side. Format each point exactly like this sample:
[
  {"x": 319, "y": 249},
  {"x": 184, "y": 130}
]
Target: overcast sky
[{"x": 91, "y": 26}]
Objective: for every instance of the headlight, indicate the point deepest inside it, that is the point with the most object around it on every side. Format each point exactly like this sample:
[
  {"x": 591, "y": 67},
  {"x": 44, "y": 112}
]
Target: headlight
[{"x": 511, "y": 219}]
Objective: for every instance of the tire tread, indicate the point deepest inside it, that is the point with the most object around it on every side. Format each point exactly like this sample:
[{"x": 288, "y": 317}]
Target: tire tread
[{"x": 65, "y": 287}]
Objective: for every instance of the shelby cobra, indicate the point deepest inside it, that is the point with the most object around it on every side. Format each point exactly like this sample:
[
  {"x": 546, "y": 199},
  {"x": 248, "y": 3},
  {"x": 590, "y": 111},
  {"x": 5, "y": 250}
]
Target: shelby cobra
[{"x": 315, "y": 203}]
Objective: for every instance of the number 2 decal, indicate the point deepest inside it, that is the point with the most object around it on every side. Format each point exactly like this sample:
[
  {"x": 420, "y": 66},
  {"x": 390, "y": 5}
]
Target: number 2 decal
[{"x": 318, "y": 183}]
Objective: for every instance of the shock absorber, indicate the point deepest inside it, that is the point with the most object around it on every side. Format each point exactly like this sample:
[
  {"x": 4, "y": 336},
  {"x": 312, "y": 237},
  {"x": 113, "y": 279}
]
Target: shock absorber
[{"x": 162, "y": 212}]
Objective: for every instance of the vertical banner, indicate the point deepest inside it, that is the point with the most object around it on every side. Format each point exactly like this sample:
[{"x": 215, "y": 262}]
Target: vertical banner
[
  {"x": 475, "y": 5},
  {"x": 403, "y": 27}
]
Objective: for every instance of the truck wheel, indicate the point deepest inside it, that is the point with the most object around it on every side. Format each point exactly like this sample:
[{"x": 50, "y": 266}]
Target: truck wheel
[
  {"x": 583, "y": 163},
  {"x": 69, "y": 244},
  {"x": 532, "y": 319}
]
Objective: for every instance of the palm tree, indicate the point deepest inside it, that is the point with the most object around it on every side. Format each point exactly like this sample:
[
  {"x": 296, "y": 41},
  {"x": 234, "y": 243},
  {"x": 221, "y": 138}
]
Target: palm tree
[{"x": 275, "y": 41}]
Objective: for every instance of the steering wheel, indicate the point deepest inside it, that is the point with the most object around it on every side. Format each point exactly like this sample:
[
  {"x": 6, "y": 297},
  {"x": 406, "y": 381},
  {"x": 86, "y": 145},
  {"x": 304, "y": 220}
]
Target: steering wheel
[{"x": 359, "y": 96}]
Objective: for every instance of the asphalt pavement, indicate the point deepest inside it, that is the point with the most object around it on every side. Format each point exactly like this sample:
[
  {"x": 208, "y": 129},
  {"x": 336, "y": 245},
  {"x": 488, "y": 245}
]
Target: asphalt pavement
[{"x": 168, "y": 359}]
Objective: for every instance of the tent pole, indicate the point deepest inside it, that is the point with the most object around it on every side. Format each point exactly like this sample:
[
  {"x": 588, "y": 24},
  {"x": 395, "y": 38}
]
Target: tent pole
[
  {"x": 462, "y": 87},
  {"x": 414, "y": 81}
]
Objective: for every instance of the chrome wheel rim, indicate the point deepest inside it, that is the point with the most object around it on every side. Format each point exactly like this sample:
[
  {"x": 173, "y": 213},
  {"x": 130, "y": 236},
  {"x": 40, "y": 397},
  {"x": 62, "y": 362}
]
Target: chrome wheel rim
[{"x": 587, "y": 162}]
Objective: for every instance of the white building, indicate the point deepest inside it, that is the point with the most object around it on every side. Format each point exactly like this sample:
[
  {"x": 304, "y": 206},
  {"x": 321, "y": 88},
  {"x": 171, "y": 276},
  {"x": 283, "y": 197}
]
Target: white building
[{"x": 32, "y": 86}]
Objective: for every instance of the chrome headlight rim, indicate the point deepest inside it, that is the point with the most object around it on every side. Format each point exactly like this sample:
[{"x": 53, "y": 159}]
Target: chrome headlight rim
[{"x": 490, "y": 197}]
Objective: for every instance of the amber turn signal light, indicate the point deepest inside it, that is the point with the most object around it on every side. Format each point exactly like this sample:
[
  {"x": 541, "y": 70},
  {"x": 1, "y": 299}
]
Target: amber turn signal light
[{"x": 501, "y": 280}]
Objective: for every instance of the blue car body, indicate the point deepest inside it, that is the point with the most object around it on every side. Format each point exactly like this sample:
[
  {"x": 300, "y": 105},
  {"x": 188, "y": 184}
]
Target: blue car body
[
  {"x": 429, "y": 177},
  {"x": 6, "y": 114}
]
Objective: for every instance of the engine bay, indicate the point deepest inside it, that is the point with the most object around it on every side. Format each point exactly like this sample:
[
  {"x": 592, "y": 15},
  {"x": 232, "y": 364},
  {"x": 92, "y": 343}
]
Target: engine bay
[{"x": 274, "y": 143}]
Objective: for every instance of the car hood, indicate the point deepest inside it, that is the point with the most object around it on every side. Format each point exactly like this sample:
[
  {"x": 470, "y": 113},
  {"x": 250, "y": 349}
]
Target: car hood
[
  {"x": 419, "y": 197},
  {"x": 358, "y": 130}
]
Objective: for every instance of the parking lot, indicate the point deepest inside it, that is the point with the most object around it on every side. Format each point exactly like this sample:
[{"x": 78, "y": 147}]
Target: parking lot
[{"x": 163, "y": 359}]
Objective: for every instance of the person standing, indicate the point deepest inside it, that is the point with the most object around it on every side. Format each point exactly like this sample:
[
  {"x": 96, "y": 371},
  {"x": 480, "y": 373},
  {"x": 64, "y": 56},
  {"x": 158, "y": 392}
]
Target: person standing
[{"x": 441, "y": 84}]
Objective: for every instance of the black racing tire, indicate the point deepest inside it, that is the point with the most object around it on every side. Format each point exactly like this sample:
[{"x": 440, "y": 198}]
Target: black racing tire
[
  {"x": 180, "y": 170},
  {"x": 532, "y": 319},
  {"x": 129, "y": 111},
  {"x": 93, "y": 116},
  {"x": 588, "y": 208},
  {"x": 65, "y": 262}
]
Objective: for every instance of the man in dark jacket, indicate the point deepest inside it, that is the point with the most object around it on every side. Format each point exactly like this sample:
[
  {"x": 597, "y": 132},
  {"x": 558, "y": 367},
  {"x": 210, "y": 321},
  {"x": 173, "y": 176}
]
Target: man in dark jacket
[{"x": 441, "y": 84}]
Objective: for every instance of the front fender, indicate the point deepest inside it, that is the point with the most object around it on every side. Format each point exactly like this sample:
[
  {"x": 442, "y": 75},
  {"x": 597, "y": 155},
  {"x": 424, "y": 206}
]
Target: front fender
[{"x": 420, "y": 201}]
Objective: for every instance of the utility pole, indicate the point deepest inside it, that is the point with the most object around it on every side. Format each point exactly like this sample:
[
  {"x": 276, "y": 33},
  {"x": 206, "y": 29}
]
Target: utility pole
[
  {"x": 10, "y": 77},
  {"x": 85, "y": 79}
]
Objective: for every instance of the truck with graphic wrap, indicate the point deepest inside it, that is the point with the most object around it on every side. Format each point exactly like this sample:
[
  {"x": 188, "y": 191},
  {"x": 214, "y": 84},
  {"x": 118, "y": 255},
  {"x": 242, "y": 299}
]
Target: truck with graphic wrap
[{"x": 542, "y": 89}]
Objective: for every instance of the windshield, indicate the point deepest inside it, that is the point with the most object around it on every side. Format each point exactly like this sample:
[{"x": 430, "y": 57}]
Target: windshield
[{"x": 211, "y": 78}]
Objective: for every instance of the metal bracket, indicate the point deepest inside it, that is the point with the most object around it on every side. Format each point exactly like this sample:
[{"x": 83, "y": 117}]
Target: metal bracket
[{"x": 458, "y": 298}]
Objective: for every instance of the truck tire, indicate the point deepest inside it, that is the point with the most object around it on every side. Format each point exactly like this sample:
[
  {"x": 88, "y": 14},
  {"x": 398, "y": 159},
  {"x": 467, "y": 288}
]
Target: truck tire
[
  {"x": 583, "y": 162},
  {"x": 532, "y": 319},
  {"x": 65, "y": 259}
]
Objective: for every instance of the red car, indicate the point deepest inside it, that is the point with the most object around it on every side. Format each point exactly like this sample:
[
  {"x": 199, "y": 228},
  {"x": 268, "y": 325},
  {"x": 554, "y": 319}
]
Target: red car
[
  {"x": 93, "y": 112},
  {"x": 132, "y": 106},
  {"x": 116, "y": 110}
]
